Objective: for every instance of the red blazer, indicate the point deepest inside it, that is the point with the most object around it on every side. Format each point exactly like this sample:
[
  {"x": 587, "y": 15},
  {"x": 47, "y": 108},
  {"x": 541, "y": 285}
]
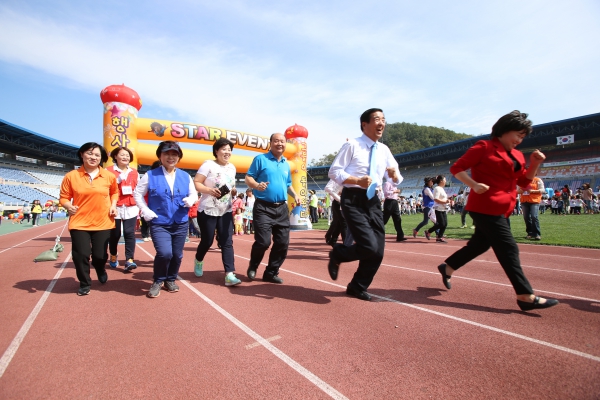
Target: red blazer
[{"x": 490, "y": 164}]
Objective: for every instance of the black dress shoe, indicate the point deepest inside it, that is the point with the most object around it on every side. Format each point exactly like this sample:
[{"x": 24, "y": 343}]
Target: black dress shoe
[
  {"x": 83, "y": 291},
  {"x": 402, "y": 239},
  {"x": 445, "y": 278},
  {"x": 333, "y": 266},
  {"x": 536, "y": 305},
  {"x": 103, "y": 278},
  {"x": 359, "y": 294},
  {"x": 271, "y": 278},
  {"x": 251, "y": 273}
]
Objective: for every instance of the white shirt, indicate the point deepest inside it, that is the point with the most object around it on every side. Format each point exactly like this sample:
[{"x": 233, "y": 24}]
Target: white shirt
[
  {"x": 440, "y": 194},
  {"x": 125, "y": 212},
  {"x": 216, "y": 176},
  {"x": 354, "y": 157},
  {"x": 142, "y": 188}
]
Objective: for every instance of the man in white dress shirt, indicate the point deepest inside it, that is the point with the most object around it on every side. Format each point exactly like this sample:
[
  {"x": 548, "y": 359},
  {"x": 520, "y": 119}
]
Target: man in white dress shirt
[{"x": 361, "y": 208}]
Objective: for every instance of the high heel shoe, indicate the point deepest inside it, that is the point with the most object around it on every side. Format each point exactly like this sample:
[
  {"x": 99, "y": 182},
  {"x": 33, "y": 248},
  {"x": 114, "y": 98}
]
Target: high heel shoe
[
  {"x": 445, "y": 278},
  {"x": 525, "y": 306}
]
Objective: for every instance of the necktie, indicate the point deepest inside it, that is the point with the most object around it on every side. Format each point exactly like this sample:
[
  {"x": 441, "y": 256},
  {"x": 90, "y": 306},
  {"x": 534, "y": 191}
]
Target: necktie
[{"x": 372, "y": 172}]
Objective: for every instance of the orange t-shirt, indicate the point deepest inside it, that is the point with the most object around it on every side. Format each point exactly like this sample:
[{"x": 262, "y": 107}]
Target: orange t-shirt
[{"x": 93, "y": 197}]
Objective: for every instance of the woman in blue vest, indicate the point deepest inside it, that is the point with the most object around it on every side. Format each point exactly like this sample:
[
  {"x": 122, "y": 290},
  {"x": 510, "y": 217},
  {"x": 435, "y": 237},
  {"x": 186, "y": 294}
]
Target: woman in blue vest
[
  {"x": 170, "y": 193},
  {"x": 427, "y": 204}
]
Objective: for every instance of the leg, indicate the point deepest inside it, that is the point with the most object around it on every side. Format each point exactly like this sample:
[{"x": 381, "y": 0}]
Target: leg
[
  {"x": 535, "y": 222},
  {"x": 161, "y": 238},
  {"x": 99, "y": 240},
  {"x": 115, "y": 236},
  {"x": 263, "y": 221},
  {"x": 526, "y": 207},
  {"x": 281, "y": 240},
  {"x": 81, "y": 251},
  {"x": 178, "y": 235},
  {"x": 129, "y": 234},
  {"x": 425, "y": 219},
  {"x": 224, "y": 229},
  {"x": 208, "y": 224}
]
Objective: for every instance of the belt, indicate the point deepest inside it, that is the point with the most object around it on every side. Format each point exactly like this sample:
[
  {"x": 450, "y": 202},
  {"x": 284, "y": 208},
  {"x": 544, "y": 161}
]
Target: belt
[
  {"x": 355, "y": 189},
  {"x": 268, "y": 203}
]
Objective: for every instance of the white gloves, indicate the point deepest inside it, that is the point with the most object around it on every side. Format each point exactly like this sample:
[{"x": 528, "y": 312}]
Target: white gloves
[
  {"x": 188, "y": 203},
  {"x": 148, "y": 214}
]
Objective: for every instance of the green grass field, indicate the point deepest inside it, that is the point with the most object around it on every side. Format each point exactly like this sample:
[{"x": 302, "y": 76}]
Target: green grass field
[{"x": 557, "y": 230}]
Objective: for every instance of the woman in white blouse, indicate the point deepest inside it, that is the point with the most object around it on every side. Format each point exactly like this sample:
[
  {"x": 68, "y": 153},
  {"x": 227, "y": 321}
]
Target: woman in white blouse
[
  {"x": 440, "y": 199},
  {"x": 214, "y": 180}
]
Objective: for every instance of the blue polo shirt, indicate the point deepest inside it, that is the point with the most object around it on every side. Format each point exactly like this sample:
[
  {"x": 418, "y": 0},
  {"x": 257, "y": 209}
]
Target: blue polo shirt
[{"x": 266, "y": 168}]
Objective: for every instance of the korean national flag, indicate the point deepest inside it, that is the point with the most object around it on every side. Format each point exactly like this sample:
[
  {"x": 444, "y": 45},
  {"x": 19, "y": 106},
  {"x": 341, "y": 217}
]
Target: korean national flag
[{"x": 565, "y": 139}]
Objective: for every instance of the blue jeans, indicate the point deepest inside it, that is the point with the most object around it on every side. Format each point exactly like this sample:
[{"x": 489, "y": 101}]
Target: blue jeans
[
  {"x": 530, "y": 215},
  {"x": 168, "y": 242}
]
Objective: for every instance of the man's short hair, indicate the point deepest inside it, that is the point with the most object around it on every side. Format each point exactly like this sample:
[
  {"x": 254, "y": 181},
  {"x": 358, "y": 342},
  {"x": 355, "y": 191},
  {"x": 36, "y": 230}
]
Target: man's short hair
[
  {"x": 513, "y": 121},
  {"x": 366, "y": 116}
]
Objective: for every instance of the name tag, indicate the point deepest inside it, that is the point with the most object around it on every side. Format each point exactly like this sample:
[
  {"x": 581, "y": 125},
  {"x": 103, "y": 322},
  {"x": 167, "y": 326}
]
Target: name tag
[{"x": 126, "y": 190}]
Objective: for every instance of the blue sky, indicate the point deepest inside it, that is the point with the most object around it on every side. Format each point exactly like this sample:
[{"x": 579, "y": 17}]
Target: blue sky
[{"x": 262, "y": 66}]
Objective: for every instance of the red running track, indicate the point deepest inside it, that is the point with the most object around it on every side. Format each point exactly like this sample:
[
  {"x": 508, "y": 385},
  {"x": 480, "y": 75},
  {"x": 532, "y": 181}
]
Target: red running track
[{"x": 304, "y": 339}]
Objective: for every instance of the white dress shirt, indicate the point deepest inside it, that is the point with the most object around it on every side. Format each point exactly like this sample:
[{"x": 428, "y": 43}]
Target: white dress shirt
[{"x": 353, "y": 160}]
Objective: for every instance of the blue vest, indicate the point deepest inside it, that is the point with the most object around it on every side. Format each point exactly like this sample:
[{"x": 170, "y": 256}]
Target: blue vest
[
  {"x": 427, "y": 201},
  {"x": 168, "y": 206}
]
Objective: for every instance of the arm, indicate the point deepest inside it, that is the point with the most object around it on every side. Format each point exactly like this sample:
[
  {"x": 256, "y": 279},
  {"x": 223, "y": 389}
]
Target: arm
[
  {"x": 201, "y": 188},
  {"x": 291, "y": 192},
  {"x": 535, "y": 160},
  {"x": 138, "y": 195},
  {"x": 66, "y": 195},
  {"x": 337, "y": 170}
]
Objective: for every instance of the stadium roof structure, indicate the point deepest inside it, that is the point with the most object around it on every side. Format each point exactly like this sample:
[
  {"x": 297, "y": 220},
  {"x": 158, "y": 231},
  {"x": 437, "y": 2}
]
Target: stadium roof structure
[
  {"x": 585, "y": 128},
  {"x": 22, "y": 142}
]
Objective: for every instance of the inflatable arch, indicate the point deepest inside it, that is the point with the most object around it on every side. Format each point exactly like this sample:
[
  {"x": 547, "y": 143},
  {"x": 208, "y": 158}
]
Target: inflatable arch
[{"x": 122, "y": 127}]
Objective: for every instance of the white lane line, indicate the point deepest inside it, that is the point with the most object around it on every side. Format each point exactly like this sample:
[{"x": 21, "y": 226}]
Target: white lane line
[
  {"x": 466, "y": 321},
  {"x": 28, "y": 240},
  {"x": 450, "y": 245},
  {"x": 463, "y": 277},
  {"x": 493, "y": 262},
  {"x": 318, "y": 382},
  {"x": 256, "y": 344},
  {"x": 16, "y": 342}
]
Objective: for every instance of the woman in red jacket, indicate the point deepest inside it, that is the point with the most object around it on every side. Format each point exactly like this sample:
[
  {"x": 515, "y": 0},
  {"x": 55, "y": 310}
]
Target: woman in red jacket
[
  {"x": 497, "y": 167},
  {"x": 127, "y": 210}
]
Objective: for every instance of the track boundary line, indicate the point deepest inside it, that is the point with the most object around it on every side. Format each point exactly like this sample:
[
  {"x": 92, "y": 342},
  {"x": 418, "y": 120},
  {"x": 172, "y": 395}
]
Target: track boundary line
[
  {"x": 468, "y": 279},
  {"x": 318, "y": 382},
  {"x": 20, "y": 336},
  {"x": 466, "y": 321}
]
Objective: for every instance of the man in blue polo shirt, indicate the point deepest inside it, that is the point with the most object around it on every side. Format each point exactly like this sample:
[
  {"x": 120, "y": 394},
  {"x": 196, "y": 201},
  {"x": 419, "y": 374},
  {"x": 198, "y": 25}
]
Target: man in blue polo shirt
[{"x": 270, "y": 177}]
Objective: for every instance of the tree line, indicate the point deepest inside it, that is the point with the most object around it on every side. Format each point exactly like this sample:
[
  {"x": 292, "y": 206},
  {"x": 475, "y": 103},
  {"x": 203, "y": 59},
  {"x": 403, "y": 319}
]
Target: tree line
[{"x": 402, "y": 137}]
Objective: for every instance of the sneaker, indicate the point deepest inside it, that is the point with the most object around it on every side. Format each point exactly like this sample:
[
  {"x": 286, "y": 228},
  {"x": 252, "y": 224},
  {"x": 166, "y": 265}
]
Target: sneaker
[
  {"x": 146, "y": 239},
  {"x": 83, "y": 291},
  {"x": 428, "y": 235},
  {"x": 473, "y": 227},
  {"x": 171, "y": 286},
  {"x": 538, "y": 237},
  {"x": 231, "y": 280},
  {"x": 130, "y": 265},
  {"x": 415, "y": 233},
  {"x": 440, "y": 240},
  {"x": 155, "y": 289},
  {"x": 464, "y": 226},
  {"x": 187, "y": 239},
  {"x": 198, "y": 267},
  {"x": 113, "y": 261}
]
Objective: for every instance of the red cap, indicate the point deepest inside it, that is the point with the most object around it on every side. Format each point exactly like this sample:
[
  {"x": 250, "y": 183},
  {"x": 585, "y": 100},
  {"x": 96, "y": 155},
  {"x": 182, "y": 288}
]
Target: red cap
[
  {"x": 296, "y": 131},
  {"x": 121, "y": 94}
]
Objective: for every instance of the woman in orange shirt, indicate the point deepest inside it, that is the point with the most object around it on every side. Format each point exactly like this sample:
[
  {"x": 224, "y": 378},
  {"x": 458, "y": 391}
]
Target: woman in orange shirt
[{"x": 90, "y": 194}]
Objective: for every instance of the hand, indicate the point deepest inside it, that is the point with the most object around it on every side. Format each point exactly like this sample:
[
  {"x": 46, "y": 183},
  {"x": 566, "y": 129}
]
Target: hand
[
  {"x": 187, "y": 202},
  {"x": 148, "y": 214},
  {"x": 113, "y": 211},
  {"x": 297, "y": 200},
  {"x": 391, "y": 171},
  {"x": 364, "y": 181},
  {"x": 72, "y": 209},
  {"x": 215, "y": 192},
  {"x": 480, "y": 188},
  {"x": 537, "y": 157},
  {"x": 262, "y": 186}
]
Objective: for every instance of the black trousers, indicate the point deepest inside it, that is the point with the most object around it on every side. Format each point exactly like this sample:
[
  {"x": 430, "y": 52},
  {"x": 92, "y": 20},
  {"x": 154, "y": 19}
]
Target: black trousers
[
  {"x": 493, "y": 231},
  {"x": 338, "y": 224},
  {"x": 365, "y": 222},
  {"x": 128, "y": 227},
  {"x": 84, "y": 245},
  {"x": 391, "y": 209},
  {"x": 224, "y": 227},
  {"x": 270, "y": 221},
  {"x": 440, "y": 224}
]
